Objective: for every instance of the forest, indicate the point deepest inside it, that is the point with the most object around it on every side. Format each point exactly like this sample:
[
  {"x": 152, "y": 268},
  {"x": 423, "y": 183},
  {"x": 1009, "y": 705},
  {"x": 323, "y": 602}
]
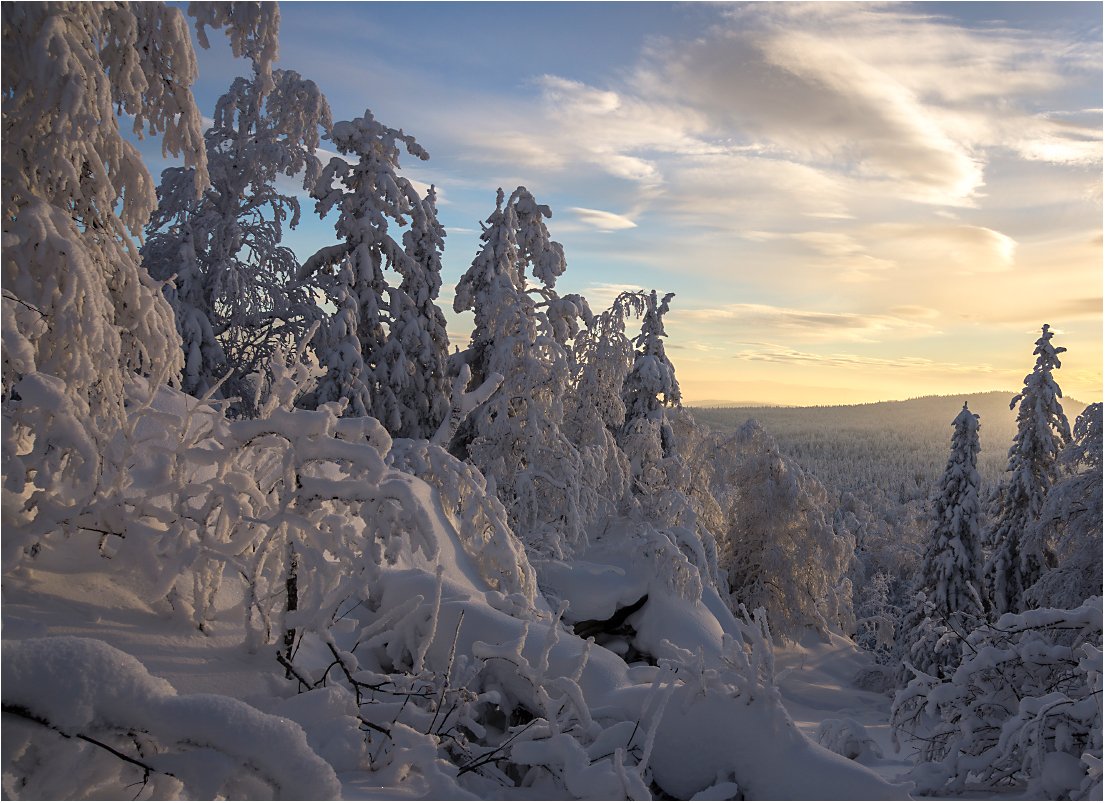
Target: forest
[{"x": 269, "y": 534}]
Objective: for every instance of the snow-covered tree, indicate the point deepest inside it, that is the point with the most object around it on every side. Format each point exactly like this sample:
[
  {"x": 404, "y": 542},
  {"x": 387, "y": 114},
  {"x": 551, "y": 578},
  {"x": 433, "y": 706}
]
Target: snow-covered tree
[
  {"x": 81, "y": 316},
  {"x": 780, "y": 551},
  {"x": 1019, "y": 717},
  {"x": 651, "y": 386},
  {"x": 237, "y": 297},
  {"x": 1070, "y": 522},
  {"x": 595, "y": 412},
  {"x": 877, "y": 618},
  {"x": 75, "y": 190},
  {"x": 516, "y": 439},
  {"x": 397, "y": 343},
  {"x": 948, "y": 601},
  {"x": 346, "y": 375},
  {"x": 1020, "y": 556},
  {"x": 414, "y": 359}
]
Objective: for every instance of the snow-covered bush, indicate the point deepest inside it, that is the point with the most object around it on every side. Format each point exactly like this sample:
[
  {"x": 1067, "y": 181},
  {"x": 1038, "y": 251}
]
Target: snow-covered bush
[
  {"x": 779, "y": 551},
  {"x": 848, "y": 738},
  {"x": 82, "y": 719},
  {"x": 1021, "y": 715}
]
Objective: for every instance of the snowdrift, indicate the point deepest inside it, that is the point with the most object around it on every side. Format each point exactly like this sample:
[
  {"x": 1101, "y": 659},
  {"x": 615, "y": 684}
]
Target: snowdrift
[{"x": 424, "y": 655}]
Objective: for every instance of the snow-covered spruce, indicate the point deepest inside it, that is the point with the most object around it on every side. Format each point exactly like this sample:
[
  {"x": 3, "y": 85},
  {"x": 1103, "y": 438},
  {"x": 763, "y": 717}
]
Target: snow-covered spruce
[
  {"x": 649, "y": 388},
  {"x": 1019, "y": 556},
  {"x": 400, "y": 329},
  {"x": 521, "y": 332},
  {"x": 947, "y": 602},
  {"x": 1070, "y": 522},
  {"x": 418, "y": 332}
]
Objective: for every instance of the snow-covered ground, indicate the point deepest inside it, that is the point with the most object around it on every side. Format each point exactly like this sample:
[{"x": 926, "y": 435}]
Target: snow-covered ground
[
  {"x": 816, "y": 680},
  {"x": 61, "y": 597}
]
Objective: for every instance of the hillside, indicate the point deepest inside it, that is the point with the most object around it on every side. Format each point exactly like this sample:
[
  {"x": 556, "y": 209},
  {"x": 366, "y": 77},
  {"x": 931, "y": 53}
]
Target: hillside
[{"x": 897, "y": 446}]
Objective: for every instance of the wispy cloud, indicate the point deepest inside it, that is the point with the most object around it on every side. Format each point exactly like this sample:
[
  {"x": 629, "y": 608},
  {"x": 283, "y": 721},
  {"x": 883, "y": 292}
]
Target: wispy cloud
[
  {"x": 770, "y": 352},
  {"x": 603, "y": 221},
  {"x": 832, "y": 96},
  {"x": 601, "y": 296},
  {"x": 805, "y": 325}
]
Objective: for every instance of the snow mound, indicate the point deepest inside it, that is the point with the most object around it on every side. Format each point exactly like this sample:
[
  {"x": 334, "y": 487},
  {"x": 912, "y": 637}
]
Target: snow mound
[{"x": 86, "y": 688}]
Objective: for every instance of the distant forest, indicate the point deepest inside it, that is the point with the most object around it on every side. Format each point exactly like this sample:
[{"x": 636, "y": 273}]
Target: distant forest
[{"x": 897, "y": 447}]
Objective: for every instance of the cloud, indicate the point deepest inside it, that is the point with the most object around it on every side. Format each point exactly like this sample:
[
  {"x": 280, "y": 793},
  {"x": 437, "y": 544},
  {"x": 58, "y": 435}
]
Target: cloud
[
  {"x": 937, "y": 246},
  {"x": 915, "y": 311},
  {"x": 601, "y": 296},
  {"x": 603, "y": 221},
  {"x": 804, "y": 325},
  {"x": 770, "y": 352},
  {"x": 1072, "y": 138}
]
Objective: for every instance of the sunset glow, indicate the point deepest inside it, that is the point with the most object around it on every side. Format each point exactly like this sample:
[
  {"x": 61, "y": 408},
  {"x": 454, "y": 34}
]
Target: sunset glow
[{"x": 852, "y": 202}]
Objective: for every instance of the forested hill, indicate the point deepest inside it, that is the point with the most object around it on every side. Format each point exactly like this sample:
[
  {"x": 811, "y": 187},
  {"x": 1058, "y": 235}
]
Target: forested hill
[{"x": 858, "y": 447}]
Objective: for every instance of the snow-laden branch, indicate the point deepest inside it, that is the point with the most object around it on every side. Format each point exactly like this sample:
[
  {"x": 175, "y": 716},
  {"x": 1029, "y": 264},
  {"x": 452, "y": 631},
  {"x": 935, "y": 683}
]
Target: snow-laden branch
[{"x": 464, "y": 402}]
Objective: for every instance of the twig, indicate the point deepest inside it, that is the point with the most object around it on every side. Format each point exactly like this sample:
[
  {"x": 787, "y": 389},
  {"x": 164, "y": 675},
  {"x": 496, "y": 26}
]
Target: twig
[
  {"x": 17, "y": 300},
  {"x": 291, "y": 671},
  {"x": 486, "y": 758},
  {"x": 448, "y": 672},
  {"x": 23, "y": 713}
]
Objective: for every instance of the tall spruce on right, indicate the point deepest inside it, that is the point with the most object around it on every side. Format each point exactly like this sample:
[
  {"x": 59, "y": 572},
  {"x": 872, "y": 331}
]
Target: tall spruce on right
[
  {"x": 951, "y": 578},
  {"x": 1020, "y": 556}
]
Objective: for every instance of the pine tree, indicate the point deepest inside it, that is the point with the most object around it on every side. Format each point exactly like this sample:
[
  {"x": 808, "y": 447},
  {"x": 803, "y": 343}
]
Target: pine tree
[
  {"x": 1019, "y": 556},
  {"x": 237, "y": 297},
  {"x": 949, "y": 603}
]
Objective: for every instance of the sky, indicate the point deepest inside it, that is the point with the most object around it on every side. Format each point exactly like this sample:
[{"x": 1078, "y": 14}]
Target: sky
[{"x": 852, "y": 202}]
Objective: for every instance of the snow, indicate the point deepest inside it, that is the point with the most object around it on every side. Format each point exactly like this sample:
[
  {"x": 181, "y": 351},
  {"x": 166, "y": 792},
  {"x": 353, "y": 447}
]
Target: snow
[
  {"x": 817, "y": 680},
  {"x": 77, "y": 684},
  {"x": 278, "y": 595}
]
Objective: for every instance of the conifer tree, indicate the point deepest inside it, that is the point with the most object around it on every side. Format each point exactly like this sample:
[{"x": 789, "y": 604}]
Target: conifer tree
[
  {"x": 416, "y": 353},
  {"x": 1020, "y": 556},
  {"x": 515, "y": 438},
  {"x": 651, "y": 386},
  {"x": 949, "y": 603},
  {"x": 346, "y": 376},
  {"x": 401, "y": 333},
  {"x": 1070, "y": 523}
]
